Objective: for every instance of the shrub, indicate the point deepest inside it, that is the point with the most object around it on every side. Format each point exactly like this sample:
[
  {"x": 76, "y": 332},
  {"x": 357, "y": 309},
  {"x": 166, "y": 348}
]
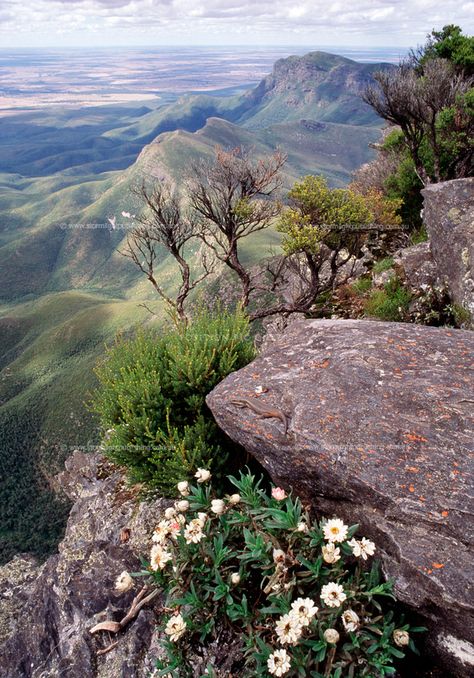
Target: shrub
[
  {"x": 362, "y": 285},
  {"x": 254, "y": 587},
  {"x": 391, "y": 303},
  {"x": 383, "y": 265},
  {"x": 151, "y": 398},
  {"x": 419, "y": 235}
]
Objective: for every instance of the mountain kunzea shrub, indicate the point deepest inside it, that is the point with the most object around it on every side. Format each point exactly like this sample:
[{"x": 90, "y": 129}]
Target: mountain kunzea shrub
[
  {"x": 151, "y": 399},
  {"x": 254, "y": 587}
]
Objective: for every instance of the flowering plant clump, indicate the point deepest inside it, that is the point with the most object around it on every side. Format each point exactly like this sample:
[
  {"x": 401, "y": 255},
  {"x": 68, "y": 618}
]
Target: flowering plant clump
[{"x": 270, "y": 591}]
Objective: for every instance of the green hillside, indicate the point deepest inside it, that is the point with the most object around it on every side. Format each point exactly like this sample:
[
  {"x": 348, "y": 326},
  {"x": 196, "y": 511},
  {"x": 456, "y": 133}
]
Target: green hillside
[{"x": 65, "y": 289}]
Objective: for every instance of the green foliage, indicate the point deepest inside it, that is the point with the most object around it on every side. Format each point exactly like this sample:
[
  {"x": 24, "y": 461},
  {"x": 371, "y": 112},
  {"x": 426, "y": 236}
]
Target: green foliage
[
  {"x": 362, "y": 285},
  {"x": 419, "y": 235},
  {"x": 316, "y": 207},
  {"x": 404, "y": 183},
  {"x": 455, "y": 127},
  {"x": 233, "y": 571},
  {"x": 461, "y": 315},
  {"x": 391, "y": 303},
  {"x": 451, "y": 44},
  {"x": 151, "y": 399},
  {"x": 383, "y": 265}
]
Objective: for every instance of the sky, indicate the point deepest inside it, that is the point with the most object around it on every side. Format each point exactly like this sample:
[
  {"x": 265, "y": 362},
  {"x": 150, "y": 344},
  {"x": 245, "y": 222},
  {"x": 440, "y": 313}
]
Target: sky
[{"x": 96, "y": 23}]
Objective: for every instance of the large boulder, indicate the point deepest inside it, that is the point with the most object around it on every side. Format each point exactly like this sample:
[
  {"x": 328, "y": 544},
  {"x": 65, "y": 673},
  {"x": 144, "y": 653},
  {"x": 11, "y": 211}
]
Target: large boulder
[
  {"x": 380, "y": 432},
  {"x": 47, "y": 612},
  {"x": 448, "y": 214}
]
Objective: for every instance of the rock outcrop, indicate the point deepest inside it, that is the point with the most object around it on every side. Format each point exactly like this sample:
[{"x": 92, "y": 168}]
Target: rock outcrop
[
  {"x": 415, "y": 266},
  {"x": 50, "y": 610},
  {"x": 448, "y": 215},
  {"x": 380, "y": 432}
]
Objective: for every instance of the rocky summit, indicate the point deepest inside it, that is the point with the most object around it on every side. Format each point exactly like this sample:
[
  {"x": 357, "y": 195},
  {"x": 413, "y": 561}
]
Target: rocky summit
[{"x": 380, "y": 431}]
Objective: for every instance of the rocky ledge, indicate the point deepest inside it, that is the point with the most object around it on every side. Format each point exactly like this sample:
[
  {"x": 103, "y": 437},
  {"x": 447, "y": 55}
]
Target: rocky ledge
[
  {"x": 48, "y": 611},
  {"x": 380, "y": 432}
]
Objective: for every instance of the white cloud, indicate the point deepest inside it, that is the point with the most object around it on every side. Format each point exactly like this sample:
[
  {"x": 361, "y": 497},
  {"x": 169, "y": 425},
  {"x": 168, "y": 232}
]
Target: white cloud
[{"x": 370, "y": 22}]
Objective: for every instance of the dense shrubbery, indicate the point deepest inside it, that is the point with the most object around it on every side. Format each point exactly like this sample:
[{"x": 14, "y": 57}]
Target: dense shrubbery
[
  {"x": 390, "y": 303},
  {"x": 255, "y": 587},
  {"x": 151, "y": 399}
]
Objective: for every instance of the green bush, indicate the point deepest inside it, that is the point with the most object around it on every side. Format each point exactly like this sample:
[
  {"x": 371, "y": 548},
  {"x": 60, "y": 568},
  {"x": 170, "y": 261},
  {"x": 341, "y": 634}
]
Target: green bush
[
  {"x": 383, "y": 265},
  {"x": 419, "y": 235},
  {"x": 362, "y": 285},
  {"x": 254, "y": 586},
  {"x": 151, "y": 398},
  {"x": 391, "y": 303}
]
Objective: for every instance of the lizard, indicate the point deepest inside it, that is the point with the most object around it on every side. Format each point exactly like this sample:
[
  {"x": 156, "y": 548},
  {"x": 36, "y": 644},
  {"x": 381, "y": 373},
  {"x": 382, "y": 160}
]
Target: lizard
[{"x": 262, "y": 411}]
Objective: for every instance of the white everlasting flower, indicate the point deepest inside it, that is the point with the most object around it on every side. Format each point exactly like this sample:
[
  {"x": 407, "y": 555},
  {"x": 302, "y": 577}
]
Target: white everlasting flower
[
  {"x": 175, "y": 627},
  {"x": 175, "y": 526},
  {"x": 333, "y": 594},
  {"x": 202, "y": 475},
  {"x": 331, "y": 636},
  {"x": 170, "y": 513},
  {"x": 288, "y": 629},
  {"x": 124, "y": 582},
  {"x": 202, "y": 517},
  {"x": 279, "y": 493},
  {"x": 363, "y": 548},
  {"x": 193, "y": 532},
  {"x": 302, "y": 527},
  {"x": 235, "y": 578},
  {"x": 331, "y": 553},
  {"x": 401, "y": 638},
  {"x": 278, "y": 556},
  {"x": 183, "y": 488},
  {"x": 234, "y": 499},
  {"x": 279, "y": 663},
  {"x": 159, "y": 557},
  {"x": 304, "y": 609},
  {"x": 217, "y": 506},
  {"x": 335, "y": 530},
  {"x": 350, "y": 621},
  {"x": 161, "y": 531},
  {"x": 182, "y": 505}
]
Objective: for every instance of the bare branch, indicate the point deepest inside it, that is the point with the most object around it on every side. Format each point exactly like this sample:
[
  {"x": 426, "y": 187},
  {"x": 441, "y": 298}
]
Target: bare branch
[{"x": 231, "y": 198}]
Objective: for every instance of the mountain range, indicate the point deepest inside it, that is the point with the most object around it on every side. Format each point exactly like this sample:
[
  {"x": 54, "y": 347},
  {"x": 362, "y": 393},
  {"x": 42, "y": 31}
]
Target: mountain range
[{"x": 65, "y": 290}]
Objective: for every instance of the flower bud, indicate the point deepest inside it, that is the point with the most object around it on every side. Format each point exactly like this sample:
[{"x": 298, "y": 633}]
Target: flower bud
[
  {"x": 331, "y": 553},
  {"x": 234, "y": 498},
  {"x": 331, "y": 636},
  {"x": 182, "y": 505},
  {"x": 278, "y": 556},
  {"x": 123, "y": 583},
  {"x": 235, "y": 578},
  {"x": 279, "y": 493},
  {"x": 217, "y": 506},
  {"x": 202, "y": 474},
  {"x": 401, "y": 638},
  {"x": 183, "y": 488},
  {"x": 170, "y": 513},
  {"x": 302, "y": 527},
  {"x": 350, "y": 621}
]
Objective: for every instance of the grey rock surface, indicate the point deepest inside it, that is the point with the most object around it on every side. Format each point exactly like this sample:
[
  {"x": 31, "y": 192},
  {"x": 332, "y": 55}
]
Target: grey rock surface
[
  {"x": 415, "y": 266},
  {"x": 449, "y": 219},
  {"x": 381, "y": 432},
  {"x": 48, "y": 636}
]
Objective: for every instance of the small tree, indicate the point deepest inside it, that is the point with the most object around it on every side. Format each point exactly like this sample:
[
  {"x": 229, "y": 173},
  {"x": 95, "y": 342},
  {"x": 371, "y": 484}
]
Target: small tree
[
  {"x": 324, "y": 230},
  {"x": 231, "y": 198},
  {"x": 429, "y": 99},
  {"x": 165, "y": 226}
]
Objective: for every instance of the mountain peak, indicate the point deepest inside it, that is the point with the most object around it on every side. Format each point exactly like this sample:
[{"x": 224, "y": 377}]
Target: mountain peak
[{"x": 318, "y": 85}]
